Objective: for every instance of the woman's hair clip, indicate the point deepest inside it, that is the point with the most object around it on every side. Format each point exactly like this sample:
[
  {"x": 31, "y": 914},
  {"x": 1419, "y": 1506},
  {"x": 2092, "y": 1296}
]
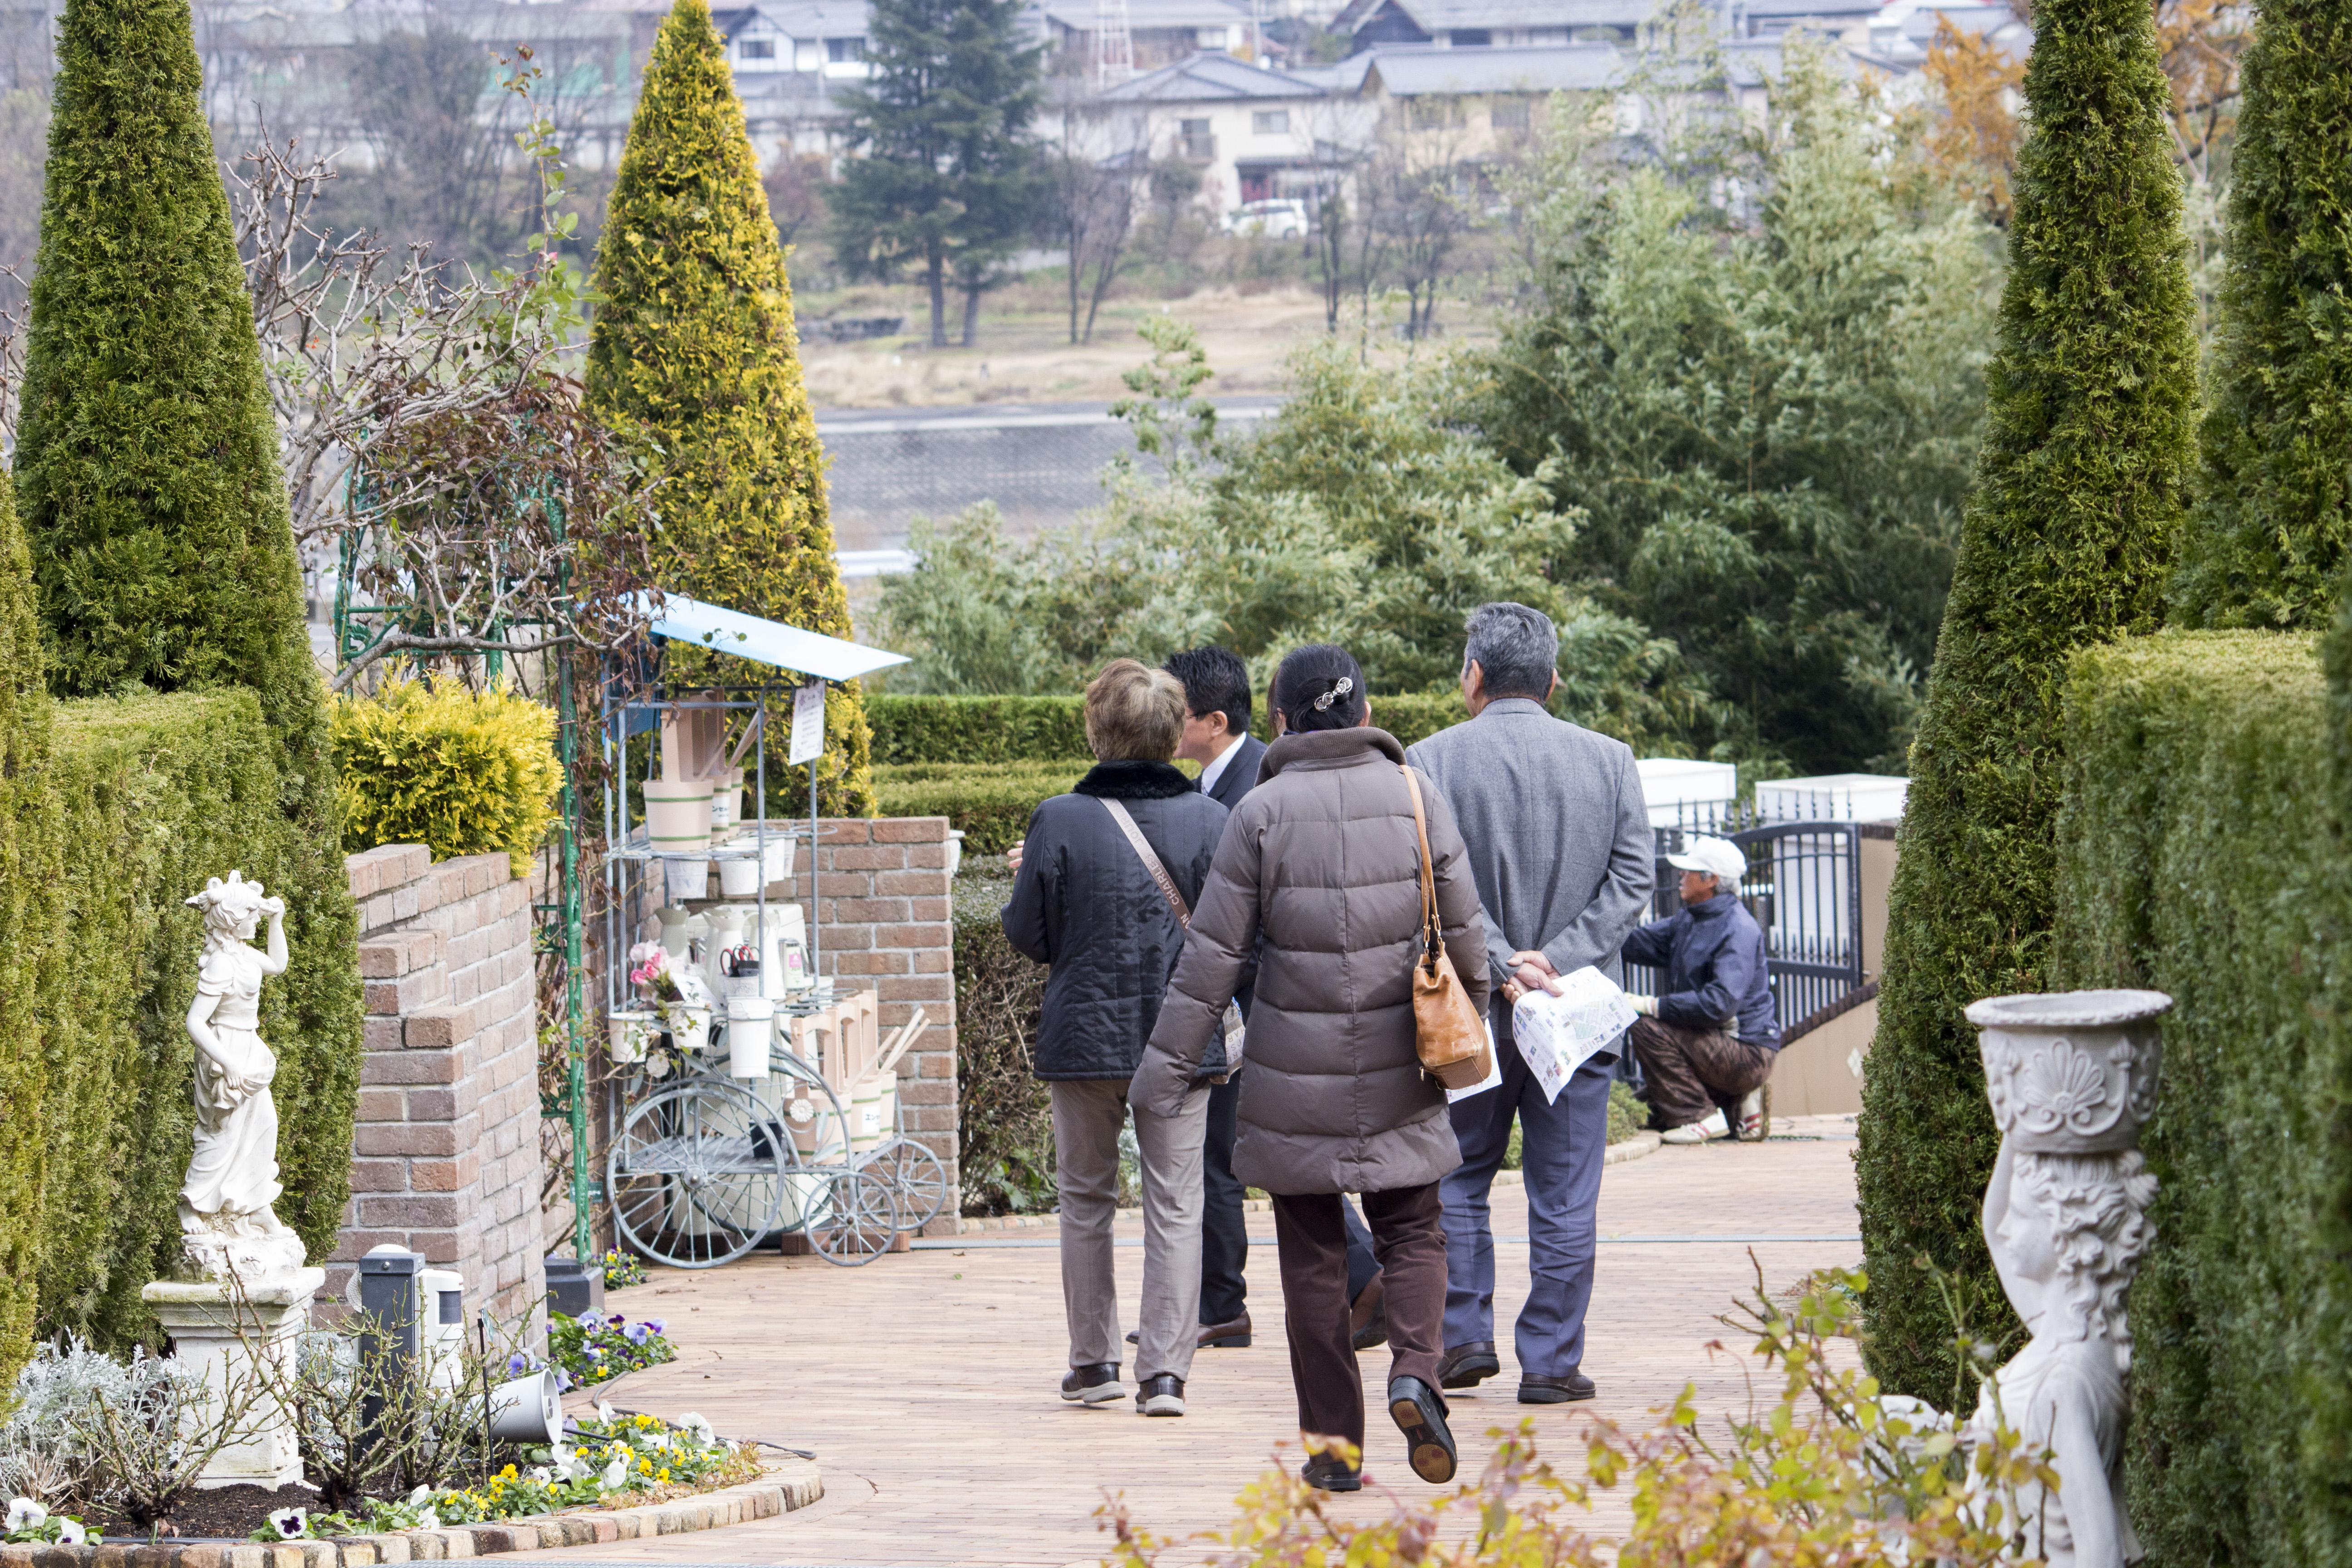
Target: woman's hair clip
[{"x": 1346, "y": 684}]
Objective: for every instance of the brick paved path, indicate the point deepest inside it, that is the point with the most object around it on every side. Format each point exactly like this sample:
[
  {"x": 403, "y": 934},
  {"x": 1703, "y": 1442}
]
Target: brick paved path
[{"x": 925, "y": 1382}]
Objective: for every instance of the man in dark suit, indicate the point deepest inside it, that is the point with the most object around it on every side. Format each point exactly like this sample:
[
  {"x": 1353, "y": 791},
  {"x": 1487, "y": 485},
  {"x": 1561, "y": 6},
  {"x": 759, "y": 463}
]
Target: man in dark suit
[{"x": 1216, "y": 736}]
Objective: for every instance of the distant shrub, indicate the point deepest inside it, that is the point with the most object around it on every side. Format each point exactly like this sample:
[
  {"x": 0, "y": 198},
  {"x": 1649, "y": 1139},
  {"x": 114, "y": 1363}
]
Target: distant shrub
[
  {"x": 991, "y": 802},
  {"x": 977, "y": 730},
  {"x": 465, "y": 772}
]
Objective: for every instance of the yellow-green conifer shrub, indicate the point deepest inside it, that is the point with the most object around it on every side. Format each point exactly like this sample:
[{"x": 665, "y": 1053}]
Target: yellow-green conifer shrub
[
  {"x": 693, "y": 347},
  {"x": 462, "y": 772}
]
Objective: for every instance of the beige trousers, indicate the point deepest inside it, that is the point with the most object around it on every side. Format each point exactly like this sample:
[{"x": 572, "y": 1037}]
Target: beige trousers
[{"x": 1088, "y": 1115}]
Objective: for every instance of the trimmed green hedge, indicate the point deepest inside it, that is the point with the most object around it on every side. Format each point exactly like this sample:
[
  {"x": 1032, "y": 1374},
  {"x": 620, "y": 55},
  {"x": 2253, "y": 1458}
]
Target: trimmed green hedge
[
  {"x": 990, "y": 801},
  {"x": 139, "y": 801},
  {"x": 2199, "y": 843},
  {"x": 976, "y": 730}
]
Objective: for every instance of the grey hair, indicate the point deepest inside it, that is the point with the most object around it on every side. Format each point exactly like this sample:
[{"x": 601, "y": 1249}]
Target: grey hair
[{"x": 1517, "y": 647}]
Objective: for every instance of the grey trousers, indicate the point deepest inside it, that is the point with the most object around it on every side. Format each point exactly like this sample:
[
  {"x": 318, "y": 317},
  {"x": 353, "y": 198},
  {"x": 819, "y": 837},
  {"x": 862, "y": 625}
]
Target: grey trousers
[{"x": 1087, "y": 1117}]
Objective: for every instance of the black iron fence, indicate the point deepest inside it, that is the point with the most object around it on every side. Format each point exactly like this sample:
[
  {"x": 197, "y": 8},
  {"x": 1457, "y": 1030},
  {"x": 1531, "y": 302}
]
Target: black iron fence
[{"x": 1804, "y": 888}]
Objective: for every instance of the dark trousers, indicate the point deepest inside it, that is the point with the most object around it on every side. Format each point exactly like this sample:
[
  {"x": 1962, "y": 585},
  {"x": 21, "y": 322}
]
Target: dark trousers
[
  {"x": 1561, "y": 1156},
  {"x": 1409, "y": 1240},
  {"x": 1225, "y": 1233},
  {"x": 1686, "y": 1069}
]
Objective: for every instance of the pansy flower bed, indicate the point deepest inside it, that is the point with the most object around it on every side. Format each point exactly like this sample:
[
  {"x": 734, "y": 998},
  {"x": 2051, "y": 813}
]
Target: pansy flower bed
[
  {"x": 622, "y": 1269},
  {"x": 29, "y": 1523},
  {"x": 595, "y": 1346},
  {"x": 610, "y": 1461}
]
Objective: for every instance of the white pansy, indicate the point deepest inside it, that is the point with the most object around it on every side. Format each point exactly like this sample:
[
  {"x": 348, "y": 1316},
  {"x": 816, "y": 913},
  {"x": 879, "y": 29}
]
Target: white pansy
[
  {"x": 23, "y": 1514},
  {"x": 290, "y": 1523},
  {"x": 603, "y": 1413},
  {"x": 614, "y": 1474},
  {"x": 71, "y": 1533}
]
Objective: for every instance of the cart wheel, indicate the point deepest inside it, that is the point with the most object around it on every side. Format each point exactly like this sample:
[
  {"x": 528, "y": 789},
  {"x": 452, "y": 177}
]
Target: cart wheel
[
  {"x": 696, "y": 1175},
  {"x": 916, "y": 1178},
  {"x": 852, "y": 1217}
]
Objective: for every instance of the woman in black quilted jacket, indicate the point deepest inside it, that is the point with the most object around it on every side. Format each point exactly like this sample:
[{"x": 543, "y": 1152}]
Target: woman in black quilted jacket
[{"x": 1086, "y": 901}]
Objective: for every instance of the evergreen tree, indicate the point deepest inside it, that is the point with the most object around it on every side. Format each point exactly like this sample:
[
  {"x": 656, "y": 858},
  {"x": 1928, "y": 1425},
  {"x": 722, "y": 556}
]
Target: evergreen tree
[
  {"x": 24, "y": 727},
  {"x": 947, "y": 180},
  {"x": 2080, "y": 491},
  {"x": 2274, "y": 510},
  {"x": 148, "y": 482},
  {"x": 694, "y": 346}
]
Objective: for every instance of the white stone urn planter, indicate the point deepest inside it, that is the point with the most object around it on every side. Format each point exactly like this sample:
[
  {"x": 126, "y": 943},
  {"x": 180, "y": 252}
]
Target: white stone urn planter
[
  {"x": 2071, "y": 1072},
  {"x": 2072, "y": 1079}
]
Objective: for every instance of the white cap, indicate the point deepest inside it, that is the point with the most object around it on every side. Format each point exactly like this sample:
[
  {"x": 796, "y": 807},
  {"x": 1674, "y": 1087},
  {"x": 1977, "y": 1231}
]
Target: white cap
[{"x": 1716, "y": 858}]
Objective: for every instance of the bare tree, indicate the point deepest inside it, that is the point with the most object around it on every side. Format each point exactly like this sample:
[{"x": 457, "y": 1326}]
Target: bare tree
[
  {"x": 1426, "y": 188},
  {"x": 1092, "y": 215}
]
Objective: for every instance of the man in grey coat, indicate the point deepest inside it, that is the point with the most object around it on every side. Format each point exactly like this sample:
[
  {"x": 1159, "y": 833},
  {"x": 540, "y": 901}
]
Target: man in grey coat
[{"x": 1560, "y": 850}]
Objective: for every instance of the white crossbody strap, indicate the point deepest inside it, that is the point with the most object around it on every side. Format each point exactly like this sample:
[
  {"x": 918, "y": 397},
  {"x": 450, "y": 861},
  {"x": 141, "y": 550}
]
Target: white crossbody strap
[{"x": 1152, "y": 862}]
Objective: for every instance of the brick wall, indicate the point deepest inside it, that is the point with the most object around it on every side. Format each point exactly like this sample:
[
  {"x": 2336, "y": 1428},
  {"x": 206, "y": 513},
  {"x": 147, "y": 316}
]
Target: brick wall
[
  {"x": 444, "y": 1157},
  {"x": 882, "y": 907}
]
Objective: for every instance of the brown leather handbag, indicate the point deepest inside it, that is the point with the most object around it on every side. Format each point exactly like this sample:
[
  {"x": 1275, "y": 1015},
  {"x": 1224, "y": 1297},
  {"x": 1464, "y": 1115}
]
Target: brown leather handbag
[{"x": 1451, "y": 1037}]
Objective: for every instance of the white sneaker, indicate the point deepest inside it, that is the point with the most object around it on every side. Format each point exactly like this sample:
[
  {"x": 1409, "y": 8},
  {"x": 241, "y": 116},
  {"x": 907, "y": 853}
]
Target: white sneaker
[
  {"x": 1698, "y": 1131},
  {"x": 1751, "y": 1116}
]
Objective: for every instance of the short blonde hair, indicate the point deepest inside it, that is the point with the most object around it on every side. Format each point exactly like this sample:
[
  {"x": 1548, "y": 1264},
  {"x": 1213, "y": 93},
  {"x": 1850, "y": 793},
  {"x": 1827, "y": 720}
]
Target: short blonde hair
[{"x": 1134, "y": 713}]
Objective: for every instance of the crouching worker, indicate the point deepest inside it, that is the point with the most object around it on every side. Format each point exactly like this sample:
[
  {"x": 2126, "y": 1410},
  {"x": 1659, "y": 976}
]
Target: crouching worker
[{"x": 1710, "y": 1032}]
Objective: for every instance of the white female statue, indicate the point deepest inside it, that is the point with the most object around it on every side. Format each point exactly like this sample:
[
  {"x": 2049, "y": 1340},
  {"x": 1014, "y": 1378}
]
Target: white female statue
[
  {"x": 227, "y": 1222},
  {"x": 2072, "y": 1077}
]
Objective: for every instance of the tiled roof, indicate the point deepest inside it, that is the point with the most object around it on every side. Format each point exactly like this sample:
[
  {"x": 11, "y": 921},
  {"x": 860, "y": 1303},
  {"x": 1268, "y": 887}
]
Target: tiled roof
[
  {"x": 1207, "y": 77},
  {"x": 1411, "y": 72}
]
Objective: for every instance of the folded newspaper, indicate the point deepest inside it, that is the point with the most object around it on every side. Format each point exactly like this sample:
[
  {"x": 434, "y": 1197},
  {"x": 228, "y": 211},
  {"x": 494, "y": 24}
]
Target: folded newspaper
[{"x": 1559, "y": 1034}]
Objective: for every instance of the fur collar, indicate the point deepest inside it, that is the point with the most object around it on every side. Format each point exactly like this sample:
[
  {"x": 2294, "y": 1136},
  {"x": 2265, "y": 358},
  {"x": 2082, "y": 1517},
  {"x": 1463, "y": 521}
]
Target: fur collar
[{"x": 1135, "y": 780}]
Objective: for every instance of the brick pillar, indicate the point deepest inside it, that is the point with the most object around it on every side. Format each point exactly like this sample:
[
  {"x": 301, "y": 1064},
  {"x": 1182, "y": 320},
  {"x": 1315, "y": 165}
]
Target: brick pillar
[
  {"x": 885, "y": 924},
  {"x": 446, "y": 1151}
]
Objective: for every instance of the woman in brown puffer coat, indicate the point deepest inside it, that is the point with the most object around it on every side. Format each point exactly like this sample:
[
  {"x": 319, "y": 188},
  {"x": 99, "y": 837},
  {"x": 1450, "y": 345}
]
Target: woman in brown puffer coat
[{"x": 1318, "y": 876}]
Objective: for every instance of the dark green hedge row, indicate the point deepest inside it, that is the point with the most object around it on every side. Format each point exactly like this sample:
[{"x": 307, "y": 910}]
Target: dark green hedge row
[
  {"x": 933, "y": 730},
  {"x": 2200, "y": 854},
  {"x": 143, "y": 799},
  {"x": 990, "y": 801},
  {"x": 1005, "y": 1138},
  {"x": 976, "y": 730}
]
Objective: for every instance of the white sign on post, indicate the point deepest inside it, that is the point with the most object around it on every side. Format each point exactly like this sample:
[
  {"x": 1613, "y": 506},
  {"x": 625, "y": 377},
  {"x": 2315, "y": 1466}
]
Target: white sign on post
[{"x": 808, "y": 724}]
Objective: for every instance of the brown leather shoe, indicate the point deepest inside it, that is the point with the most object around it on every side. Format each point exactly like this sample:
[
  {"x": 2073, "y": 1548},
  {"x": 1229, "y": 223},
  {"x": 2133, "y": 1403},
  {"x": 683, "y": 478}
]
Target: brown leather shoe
[
  {"x": 1232, "y": 1336},
  {"x": 1368, "y": 1318}
]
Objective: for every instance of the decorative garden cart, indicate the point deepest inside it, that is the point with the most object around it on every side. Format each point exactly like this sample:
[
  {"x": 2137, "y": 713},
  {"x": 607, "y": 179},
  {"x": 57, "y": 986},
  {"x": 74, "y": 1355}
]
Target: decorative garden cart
[{"x": 762, "y": 1102}]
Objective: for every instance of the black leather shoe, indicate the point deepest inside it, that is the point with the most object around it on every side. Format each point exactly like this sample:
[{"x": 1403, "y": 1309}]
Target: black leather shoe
[
  {"x": 1367, "y": 1315},
  {"x": 1161, "y": 1395},
  {"x": 1564, "y": 1390},
  {"x": 1327, "y": 1474},
  {"x": 1232, "y": 1336},
  {"x": 1097, "y": 1384},
  {"x": 1419, "y": 1414},
  {"x": 1467, "y": 1366}
]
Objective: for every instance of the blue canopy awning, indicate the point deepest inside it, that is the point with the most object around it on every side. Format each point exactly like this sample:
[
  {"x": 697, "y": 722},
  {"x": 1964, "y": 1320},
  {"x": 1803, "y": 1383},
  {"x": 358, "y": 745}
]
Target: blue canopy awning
[{"x": 762, "y": 641}]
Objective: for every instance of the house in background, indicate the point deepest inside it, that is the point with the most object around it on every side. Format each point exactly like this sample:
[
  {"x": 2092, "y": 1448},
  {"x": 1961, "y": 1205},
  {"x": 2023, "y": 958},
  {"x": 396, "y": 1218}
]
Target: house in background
[
  {"x": 1252, "y": 133},
  {"x": 1489, "y": 24},
  {"x": 1163, "y": 31},
  {"x": 820, "y": 37}
]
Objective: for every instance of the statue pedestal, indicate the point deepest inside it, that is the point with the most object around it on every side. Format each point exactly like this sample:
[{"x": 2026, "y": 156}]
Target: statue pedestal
[{"x": 229, "y": 1334}]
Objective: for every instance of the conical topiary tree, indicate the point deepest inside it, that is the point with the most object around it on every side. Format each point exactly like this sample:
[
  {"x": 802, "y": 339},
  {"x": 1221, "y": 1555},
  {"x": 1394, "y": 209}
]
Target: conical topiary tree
[
  {"x": 693, "y": 347},
  {"x": 148, "y": 484},
  {"x": 23, "y": 747},
  {"x": 2274, "y": 510},
  {"x": 2081, "y": 488}
]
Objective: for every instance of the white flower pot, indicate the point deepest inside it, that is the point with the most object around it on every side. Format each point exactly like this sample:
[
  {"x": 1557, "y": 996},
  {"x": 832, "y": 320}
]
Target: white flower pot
[
  {"x": 740, "y": 877},
  {"x": 684, "y": 879},
  {"x": 690, "y": 1026},
  {"x": 751, "y": 1026},
  {"x": 629, "y": 1031},
  {"x": 677, "y": 816}
]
